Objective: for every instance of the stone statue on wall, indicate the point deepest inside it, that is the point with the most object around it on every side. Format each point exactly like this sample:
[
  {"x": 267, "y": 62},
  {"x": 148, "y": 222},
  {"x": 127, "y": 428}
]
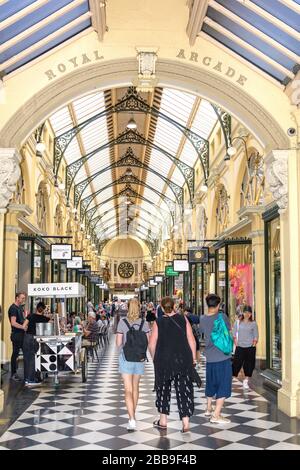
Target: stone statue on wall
[
  {"x": 9, "y": 175},
  {"x": 277, "y": 177},
  {"x": 253, "y": 182},
  {"x": 106, "y": 274},
  {"x": 41, "y": 206},
  {"x": 222, "y": 210}
]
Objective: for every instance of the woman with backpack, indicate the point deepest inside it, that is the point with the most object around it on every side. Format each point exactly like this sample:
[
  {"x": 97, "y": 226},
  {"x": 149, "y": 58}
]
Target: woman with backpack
[
  {"x": 132, "y": 339},
  {"x": 173, "y": 349},
  {"x": 218, "y": 348}
]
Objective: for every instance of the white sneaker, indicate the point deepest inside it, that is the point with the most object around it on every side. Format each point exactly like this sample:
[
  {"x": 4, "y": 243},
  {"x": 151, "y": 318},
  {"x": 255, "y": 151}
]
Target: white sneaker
[
  {"x": 246, "y": 384},
  {"x": 131, "y": 426},
  {"x": 219, "y": 420}
]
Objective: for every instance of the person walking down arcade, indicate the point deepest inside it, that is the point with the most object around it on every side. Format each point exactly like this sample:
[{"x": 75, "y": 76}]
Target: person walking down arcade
[
  {"x": 173, "y": 349},
  {"x": 215, "y": 326},
  {"x": 245, "y": 334},
  {"x": 132, "y": 339}
]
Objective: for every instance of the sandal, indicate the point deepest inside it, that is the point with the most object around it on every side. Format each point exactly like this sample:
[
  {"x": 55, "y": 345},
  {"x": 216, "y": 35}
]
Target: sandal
[
  {"x": 183, "y": 430},
  {"x": 156, "y": 424}
]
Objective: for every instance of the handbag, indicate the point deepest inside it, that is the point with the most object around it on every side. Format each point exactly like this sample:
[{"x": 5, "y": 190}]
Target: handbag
[{"x": 221, "y": 337}]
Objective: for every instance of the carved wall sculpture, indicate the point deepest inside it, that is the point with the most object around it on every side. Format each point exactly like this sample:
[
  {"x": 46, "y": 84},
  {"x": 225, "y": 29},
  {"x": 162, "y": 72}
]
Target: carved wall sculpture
[
  {"x": 41, "y": 206},
  {"x": 252, "y": 189},
  {"x": 277, "y": 177},
  {"x": 9, "y": 175},
  {"x": 222, "y": 209}
]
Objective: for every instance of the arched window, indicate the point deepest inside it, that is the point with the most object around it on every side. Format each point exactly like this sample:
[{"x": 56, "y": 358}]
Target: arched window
[
  {"x": 41, "y": 206},
  {"x": 253, "y": 183}
]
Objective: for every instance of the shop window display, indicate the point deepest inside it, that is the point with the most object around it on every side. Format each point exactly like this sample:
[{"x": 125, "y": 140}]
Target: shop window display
[
  {"x": 274, "y": 295},
  {"x": 240, "y": 288}
]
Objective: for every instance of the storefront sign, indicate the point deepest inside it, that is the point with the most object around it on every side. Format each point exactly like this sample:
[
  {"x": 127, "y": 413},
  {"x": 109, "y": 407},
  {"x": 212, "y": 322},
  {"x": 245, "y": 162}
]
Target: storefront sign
[
  {"x": 181, "y": 265},
  {"x": 158, "y": 279},
  {"x": 61, "y": 252},
  {"x": 60, "y": 289},
  {"x": 152, "y": 283},
  {"x": 75, "y": 263},
  {"x": 169, "y": 271},
  {"x": 96, "y": 279},
  {"x": 198, "y": 255}
]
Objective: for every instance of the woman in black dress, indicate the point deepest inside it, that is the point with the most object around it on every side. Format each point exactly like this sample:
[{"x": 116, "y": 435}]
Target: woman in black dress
[{"x": 173, "y": 349}]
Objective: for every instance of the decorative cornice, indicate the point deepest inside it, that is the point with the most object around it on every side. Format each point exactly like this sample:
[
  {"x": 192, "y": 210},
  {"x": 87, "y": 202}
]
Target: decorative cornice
[
  {"x": 277, "y": 177},
  {"x": 170, "y": 72},
  {"x": 10, "y": 173},
  {"x": 21, "y": 209}
]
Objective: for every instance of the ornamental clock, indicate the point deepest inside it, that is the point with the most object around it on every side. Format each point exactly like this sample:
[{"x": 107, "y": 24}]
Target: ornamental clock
[{"x": 125, "y": 269}]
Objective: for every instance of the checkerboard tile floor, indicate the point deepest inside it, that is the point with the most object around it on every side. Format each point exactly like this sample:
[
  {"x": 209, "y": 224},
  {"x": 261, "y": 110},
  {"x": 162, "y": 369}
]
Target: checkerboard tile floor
[{"x": 91, "y": 416}]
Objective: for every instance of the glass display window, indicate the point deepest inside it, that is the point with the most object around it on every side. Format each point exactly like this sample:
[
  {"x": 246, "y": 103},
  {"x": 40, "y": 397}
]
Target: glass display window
[{"x": 273, "y": 284}]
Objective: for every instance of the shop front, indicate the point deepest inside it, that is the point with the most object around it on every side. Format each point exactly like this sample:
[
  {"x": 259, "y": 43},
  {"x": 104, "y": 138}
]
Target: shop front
[
  {"x": 273, "y": 296},
  {"x": 234, "y": 274},
  {"x": 34, "y": 263}
]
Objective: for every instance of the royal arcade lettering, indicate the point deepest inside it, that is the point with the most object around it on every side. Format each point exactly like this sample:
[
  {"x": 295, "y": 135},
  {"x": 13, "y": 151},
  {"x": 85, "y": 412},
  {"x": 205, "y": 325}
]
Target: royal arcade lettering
[
  {"x": 214, "y": 64},
  {"x": 72, "y": 63}
]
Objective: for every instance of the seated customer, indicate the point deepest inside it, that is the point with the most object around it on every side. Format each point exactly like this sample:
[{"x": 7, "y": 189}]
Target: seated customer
[
  {"x": 77, "y": 328},
  {"x": 90, "y": 333},
  {"x": 30, "y": 344}
]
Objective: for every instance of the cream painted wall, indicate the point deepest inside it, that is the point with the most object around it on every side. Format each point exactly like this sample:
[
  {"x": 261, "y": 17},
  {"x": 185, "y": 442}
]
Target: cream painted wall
[{"x": 133, "y": 24}]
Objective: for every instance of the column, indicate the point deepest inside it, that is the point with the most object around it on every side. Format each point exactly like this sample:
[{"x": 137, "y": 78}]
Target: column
[
  {"x": 9, "y": 176},
  {"x": 258, "y": 253},
  {"x": 11, "y": 242},
  {"x": 283, "y": 175}
]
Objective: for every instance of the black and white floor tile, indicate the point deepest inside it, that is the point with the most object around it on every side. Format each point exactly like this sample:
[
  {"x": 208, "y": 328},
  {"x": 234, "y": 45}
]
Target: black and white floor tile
[{"x": 91, "y": 416}]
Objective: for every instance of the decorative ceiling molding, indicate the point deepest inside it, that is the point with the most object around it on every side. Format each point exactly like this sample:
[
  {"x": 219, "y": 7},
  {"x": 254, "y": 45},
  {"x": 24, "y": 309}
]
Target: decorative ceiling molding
[
  {"x": 198, "y": 10},
  {"x": 98, "y": 10}
]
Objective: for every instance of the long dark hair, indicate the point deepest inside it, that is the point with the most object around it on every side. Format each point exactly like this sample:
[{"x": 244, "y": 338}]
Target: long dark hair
[{"x": 248, "y": 309}]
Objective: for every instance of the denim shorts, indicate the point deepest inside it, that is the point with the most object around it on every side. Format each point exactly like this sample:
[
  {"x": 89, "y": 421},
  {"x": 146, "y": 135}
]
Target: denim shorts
[
  {"x": 126, "y": 367},
  {"x": 218, "y": 379}
]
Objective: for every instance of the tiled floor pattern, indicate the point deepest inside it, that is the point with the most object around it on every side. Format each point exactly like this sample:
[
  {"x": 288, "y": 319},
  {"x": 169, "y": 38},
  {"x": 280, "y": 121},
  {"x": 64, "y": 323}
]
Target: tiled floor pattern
[{"x": 93, "y": 415}]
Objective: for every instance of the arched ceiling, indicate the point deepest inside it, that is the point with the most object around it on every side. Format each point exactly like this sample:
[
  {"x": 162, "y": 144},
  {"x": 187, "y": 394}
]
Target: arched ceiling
[{"x": 132, "y": 186}]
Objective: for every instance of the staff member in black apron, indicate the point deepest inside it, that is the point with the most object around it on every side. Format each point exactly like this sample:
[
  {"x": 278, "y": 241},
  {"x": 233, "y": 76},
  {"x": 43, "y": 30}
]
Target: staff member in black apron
[{"x": 17, "y": 318}]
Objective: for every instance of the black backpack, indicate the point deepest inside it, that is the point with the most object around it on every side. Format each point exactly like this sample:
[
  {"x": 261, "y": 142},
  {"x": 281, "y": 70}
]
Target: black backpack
[{"x": 135, "y": 348}]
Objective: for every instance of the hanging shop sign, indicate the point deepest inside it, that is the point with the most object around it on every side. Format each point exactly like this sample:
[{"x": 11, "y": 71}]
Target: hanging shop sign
[
  {"x": 152, "y": 283},
  {"x": 181, "y": 265},
  {"x": 96, "y": 280},
  {"x": 61, "y": 252},
  {"x": 59, "y": 290},
  {"x": 158, "y": 279},
  {"x": 75, "y": 263},
  {"x": 199, "y": 255},
  {"x": 169, "y": 271}
]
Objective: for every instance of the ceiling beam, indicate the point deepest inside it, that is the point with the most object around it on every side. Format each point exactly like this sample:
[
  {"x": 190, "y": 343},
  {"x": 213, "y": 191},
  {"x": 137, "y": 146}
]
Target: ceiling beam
[
  {"x": 29, "y": 50},
  {"x": 252, "y": 29},
  {"x": 248, "y": 47},
  {"x": 198, "y": 10},
  {"x": 269, "y": 17},
  {"x": 22, "y": 13},
  {"x": 98, "y": 9},
  {"x": 41, "y": 24},
  {"x": 291, "y": 4}
]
